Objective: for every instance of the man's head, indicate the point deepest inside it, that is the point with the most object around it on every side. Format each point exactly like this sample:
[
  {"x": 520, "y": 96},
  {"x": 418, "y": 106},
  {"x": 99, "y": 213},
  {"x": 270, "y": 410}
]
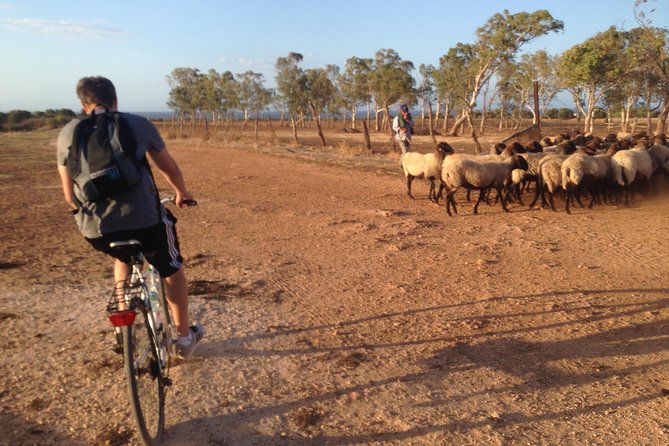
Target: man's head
[
  {"x": 404, "y": 108},
  {"x": 96, "y": 90}
]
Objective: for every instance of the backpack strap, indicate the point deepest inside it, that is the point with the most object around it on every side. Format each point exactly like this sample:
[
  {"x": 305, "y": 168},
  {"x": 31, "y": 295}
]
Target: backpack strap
[{"x": 82, "y": 131}]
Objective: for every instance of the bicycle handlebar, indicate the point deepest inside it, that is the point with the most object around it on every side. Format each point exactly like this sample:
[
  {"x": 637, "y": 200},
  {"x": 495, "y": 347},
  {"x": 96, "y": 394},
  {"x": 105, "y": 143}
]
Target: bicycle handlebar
[{"x": 172, "y": 200}]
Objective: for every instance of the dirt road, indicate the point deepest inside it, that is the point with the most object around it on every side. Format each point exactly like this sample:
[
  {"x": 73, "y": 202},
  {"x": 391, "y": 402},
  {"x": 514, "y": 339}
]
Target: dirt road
[{"x": 338, "y": 312}]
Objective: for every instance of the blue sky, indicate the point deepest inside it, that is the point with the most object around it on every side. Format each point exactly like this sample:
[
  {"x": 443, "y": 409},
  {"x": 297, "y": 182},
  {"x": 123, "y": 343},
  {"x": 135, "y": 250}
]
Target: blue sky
[{"x": 48, "y": 45}]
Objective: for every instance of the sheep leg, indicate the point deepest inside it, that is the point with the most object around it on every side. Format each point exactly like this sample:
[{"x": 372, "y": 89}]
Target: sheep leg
[
  {"x": 442, "y": 186},
  {"x": 482, "y": 193},
  {"x": 432, "y": 194},
  {"x": 503, "y": 200},
  {"x": 576, "y": 195},
  {"x": 534, "y": 200},
  {"x": 519, "y": 190},
  {"x": 550, "y": 201},
  {"x": 626, "y": 189},
  {"x": 409, "y": 181},
  {"x": 568, "y": 195},
  {"x": 592, "y": 190},
  {"x": 539, "y": 190},
  {"x": 450, "y": 201}
]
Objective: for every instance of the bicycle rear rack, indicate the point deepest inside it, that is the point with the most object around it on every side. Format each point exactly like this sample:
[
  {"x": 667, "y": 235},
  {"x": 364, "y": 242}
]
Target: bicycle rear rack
[{"x": 122, "y": 306}]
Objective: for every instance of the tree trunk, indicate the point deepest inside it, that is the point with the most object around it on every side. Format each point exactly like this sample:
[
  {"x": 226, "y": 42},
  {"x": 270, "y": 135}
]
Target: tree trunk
[
  {"x": 662, "y": 119},
  {"x": 255, "y": 129},
  {"x": 455, "y": 129},
  {"x": 318, "y": 122},
  {"x": 474, "y": 137},
  {"x": 353, "y": 110},
  {"x": 392, "y": 135},
  {"x": 368, "y": 142},
  {"x": 429, "y": 114},
  {"x": 447, "y": 114},
  {"x": 271, "y": 127},
  {"x": 436, "y": 114},
  {"x": 422, "y": 112},
  {"x": 294, "y": 125}
]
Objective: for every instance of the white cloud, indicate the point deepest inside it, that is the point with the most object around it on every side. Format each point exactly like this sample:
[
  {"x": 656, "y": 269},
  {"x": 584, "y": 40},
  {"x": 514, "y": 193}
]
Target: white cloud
[
  {"x": 248, "y": 63},
  {"x": 62, "y": 27}
]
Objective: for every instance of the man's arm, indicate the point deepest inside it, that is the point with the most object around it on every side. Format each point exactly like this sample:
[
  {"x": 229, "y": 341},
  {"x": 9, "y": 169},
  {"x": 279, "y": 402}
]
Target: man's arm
[
  {"x": 170, "y": 170},
  {"x": 68, "y": 187}
]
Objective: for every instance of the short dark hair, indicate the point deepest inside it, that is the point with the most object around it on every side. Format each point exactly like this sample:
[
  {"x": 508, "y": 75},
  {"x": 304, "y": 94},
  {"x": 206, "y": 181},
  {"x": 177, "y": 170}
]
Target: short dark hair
[{"x": 96, "y": 90}]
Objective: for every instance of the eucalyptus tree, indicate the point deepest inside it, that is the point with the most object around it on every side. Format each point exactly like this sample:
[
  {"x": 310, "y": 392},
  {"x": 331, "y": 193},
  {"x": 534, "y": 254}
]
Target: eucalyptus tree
[
  {"x": 229, "y": 95},
  {"x": 537, "y": 67},
  {"x": 318, "y": 91},
  {"x": 498, "y": 41},
  {"x": 426, "y": 91},
  {"x": 448, "y": 82},
  {"x": 253, "y": 96},
  {"x": 589, "y": 69},
  {"x": 209, "y": 91},
  {"x": 335, "y": 104},
  {"x": 507, "y": 95},
  {"x": 184, "y": 95},
  {"x": 391, "y": 81},
  {"x": 354, "y": 85},
  {"x": 655, "y": 55},
  {"x": 290, "y": 85}
]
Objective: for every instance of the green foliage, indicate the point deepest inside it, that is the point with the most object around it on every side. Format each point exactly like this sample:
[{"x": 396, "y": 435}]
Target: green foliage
[
  {"x": 390, "y": 79},
  {"x": 23, "y": 120},
  {"x": 251, "y": 93},
  {"x": 354, "y": 82},
  {"x": 289, "y": 81}
]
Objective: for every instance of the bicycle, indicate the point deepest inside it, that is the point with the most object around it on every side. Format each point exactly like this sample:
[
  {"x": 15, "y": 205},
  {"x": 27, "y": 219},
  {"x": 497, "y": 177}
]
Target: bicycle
[{"x": 143, "y": 325}]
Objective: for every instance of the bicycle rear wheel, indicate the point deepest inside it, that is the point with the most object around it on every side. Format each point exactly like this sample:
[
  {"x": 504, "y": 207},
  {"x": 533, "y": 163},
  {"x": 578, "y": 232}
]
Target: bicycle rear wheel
[{"x": 145, "y": 383}]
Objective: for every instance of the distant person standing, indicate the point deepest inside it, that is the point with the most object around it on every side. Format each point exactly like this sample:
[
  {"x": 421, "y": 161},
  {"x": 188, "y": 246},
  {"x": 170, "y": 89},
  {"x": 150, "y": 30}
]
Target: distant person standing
[{"x": 403, "y": 128}]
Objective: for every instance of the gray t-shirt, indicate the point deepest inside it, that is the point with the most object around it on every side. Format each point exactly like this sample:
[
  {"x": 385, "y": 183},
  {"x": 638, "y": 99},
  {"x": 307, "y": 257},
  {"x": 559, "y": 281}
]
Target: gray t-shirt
[{"x": 137, "y": 208}]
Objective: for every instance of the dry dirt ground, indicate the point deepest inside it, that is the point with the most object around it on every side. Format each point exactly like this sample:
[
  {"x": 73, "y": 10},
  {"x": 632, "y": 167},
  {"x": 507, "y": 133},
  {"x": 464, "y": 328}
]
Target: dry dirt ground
[{"x": 338, "y": 312}]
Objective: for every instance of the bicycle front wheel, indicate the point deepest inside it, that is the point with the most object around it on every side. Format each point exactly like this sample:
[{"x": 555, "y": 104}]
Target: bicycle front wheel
[{"x": 145, "y": 383}]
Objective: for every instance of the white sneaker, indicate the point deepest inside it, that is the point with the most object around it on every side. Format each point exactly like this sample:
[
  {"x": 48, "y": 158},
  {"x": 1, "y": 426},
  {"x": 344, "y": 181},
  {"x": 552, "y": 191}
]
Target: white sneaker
[{"x": 196, "y": 335}]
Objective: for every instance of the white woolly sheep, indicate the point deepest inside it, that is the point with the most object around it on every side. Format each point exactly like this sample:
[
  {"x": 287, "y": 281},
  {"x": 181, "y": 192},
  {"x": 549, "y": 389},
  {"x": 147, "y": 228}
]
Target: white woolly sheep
[
  {"x": 628, "y": 165},
  {"x": 549, "y": 179},
  {"x": 581, "y": 170},
  {"x": 506, "y": 152},
  {"x": 460, "y": 172},
  {"x": 520, "y": 179},
  {"x": 425, "y": 165}
]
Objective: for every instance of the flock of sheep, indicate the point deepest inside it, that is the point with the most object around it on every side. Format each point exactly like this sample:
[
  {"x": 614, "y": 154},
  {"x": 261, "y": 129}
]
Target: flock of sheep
[{"x": 609, "y": 169}]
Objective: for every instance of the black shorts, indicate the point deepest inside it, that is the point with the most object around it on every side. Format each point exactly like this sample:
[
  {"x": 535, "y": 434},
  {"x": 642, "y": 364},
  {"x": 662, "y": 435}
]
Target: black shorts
[{"x": 159, "y": 245}]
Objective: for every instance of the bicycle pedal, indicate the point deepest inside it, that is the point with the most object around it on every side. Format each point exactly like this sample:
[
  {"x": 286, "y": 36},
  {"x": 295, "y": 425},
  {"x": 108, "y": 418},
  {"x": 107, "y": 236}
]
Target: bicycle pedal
[{"x": 166, "y": 381}]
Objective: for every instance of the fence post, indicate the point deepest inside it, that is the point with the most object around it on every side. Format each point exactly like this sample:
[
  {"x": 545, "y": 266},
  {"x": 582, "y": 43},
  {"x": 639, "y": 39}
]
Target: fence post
[{"x": 368, "y": 142}]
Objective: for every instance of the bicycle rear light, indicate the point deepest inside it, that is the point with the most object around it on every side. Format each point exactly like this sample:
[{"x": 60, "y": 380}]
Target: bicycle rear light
[{"x": 122, "y": 318}]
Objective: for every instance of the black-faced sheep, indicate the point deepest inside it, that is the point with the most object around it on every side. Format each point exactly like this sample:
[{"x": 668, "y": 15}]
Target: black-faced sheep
[
  {"x": 471, "y": 174},
  {"x": 583, "y": 171},
  {"x": 549, "y": 179},
  {"x": 425, "y": 165}
]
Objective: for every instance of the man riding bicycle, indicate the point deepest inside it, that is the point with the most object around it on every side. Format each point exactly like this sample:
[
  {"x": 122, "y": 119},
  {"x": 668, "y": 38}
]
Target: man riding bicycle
[{"x": 134, "y": 213}]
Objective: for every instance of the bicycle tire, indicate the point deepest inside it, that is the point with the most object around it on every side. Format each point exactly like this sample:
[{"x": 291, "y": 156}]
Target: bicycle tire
[{"x": 145, "y": 383}]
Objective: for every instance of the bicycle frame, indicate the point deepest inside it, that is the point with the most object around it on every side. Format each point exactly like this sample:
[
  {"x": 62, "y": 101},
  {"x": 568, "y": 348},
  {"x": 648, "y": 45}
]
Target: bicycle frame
[{"x": 132, "y": 298}]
